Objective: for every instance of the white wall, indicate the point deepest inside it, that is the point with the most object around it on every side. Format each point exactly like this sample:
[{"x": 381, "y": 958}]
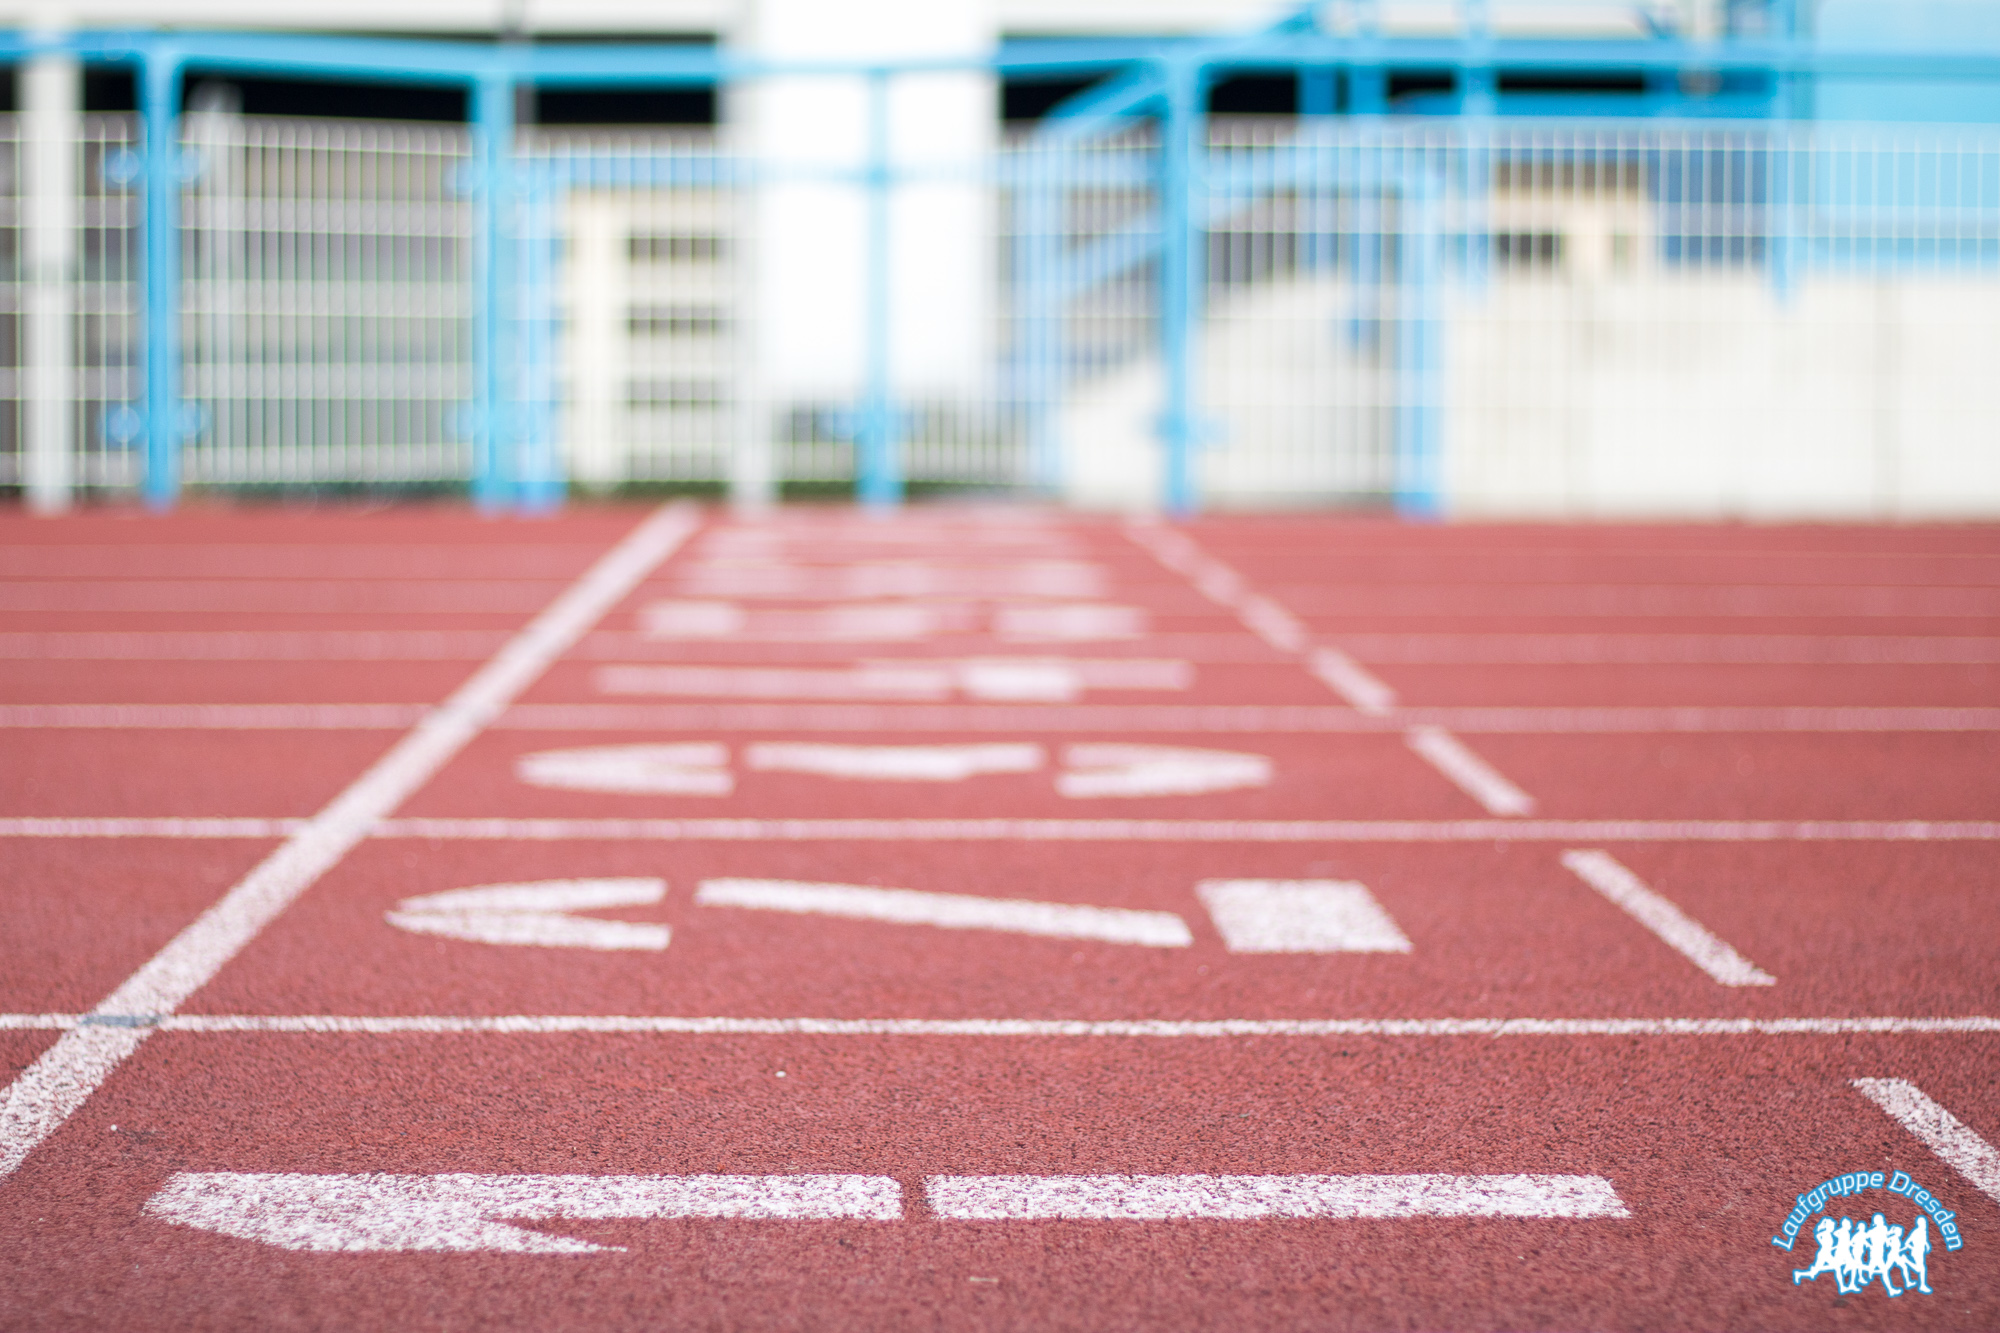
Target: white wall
[{"x": 808, "y": 234}]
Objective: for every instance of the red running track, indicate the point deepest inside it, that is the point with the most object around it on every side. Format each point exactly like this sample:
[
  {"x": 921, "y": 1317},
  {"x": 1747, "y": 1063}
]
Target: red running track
[{"x": 992, "y": 919}]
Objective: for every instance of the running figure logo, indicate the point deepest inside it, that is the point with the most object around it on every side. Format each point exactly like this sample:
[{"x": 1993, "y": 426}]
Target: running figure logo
[{"x": 1858, "y": 1254}]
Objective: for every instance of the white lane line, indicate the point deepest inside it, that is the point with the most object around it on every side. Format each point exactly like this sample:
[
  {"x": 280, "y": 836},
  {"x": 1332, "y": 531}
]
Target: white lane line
[
  {"x": 1176, "y": 830},
  {"x": 1686, "y": 936},
  {"x": 1672, "y": 649},
  {"x": 65, "y": 1075},
  {"x": 1249, "y": 1198},
  {"x": 59, "y": 827},
  {"x": 288, "y": 597},
  {"x": 253, "y": 645},
  {"x": 1956, "y": 1143},
  {"x": 1352, "y": 682},
  {"x": 538, "y": 914},
  {"x": 1045, "y": 830},
  {"x": 1468, "y": 772},
  {"x": 214, "y": 717},
  {"x": 460, "y": 1213},
  {"x": 1371, "y": 698},
  {"x": 950, "y": 911},
  {"x": 1203, "y": 1029},
  {"x": 894, "y": 763},
  {"x": 1299, "y": 916},
  {"x": 960, "y": 717}
]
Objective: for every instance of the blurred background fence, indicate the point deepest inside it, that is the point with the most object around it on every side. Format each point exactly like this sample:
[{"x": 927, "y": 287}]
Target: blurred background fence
[{"x": 1132, "y": 303}]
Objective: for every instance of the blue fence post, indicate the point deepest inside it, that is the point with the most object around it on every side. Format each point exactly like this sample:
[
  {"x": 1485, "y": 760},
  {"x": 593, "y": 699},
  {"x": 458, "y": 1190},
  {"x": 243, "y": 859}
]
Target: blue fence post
[
  {"x": 160, "y": 77},
  {"x": 1419, "y": 350},
  {"x": 538, "y": 472},
  {"x": 1039, "y": 182},
  {"x": 1181, "y": 270},
  {"x": 878, "y": 464},
  {"x": 494, "y": 426}
]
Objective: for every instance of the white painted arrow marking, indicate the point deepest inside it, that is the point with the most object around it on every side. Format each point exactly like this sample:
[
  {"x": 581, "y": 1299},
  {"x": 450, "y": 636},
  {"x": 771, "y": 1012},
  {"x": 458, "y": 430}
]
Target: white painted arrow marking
[
  {"x": 1299, "y": 916},
  {"x": 652, "y": 770},
  {"x": 1157, "y": 770},
  {"x": 458, "y": 1212},
  {"x": 950, "y": 911},
  {"x": 538, "y": 914},
  {"x": 1246, "y": 1198},
  {"x": 893, "y": 763}
]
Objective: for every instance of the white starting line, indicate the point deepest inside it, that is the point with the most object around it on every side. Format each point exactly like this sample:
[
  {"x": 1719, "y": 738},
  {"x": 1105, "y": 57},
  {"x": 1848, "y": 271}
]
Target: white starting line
[
  {"x": 1040, "y": 830},
  {"x": 512, "y": 1025},
  {"x": 461, "y": 1213}
]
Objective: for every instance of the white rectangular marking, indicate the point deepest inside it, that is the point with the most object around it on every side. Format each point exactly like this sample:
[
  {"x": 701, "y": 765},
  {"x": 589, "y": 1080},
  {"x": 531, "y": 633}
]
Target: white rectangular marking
[
  {"x": 1472, "y": 775},
  {"x": 1956, "y": 1143},
  {"x": 1251, "y": 1198},
  {"x": 1299, "y": 916},
  {"x": 950, "y": 911},
  {"x": 1682, "y": 932},
  {"x": 65, "y": 1075},
  {"x": 461, "y": 1213}
]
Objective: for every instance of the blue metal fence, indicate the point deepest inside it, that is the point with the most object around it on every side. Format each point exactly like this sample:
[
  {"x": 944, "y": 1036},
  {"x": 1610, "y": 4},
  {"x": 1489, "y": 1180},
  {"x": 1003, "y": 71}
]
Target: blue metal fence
[{"x": 1397, "y": 213}]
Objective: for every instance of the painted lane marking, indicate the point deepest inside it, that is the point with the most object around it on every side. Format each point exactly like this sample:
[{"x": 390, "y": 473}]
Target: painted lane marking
[
  {"x": 1157, "y": 770},
  {"x": 893, "y": 763},
  {"x": 1186, "y": 718},
  {"x": 149, "y": 828},
  {"x": 253, "y": 645},
  {"x": 1681, "y": 932},
  {"x": 1036, "y": 680},
  {"x": 215, "y": 717},
  {"x": 1352, "y": 682},
  {"x": 1468, "y": 772},
  {"x": 1956, "y": 1143},
  {"x": 904, "y": 682},
  {"x": 688, "y": 769},
  {"x": 866, "y": 580},
  {"x": 1150, "y": 1029},
  {"x": 1082, "y": 622},
  {"x": 428, "y": 597},
  {"x": 1158, "y": 830},
  {"x": 1299, "y": 916},
  {"x": 888, "y": 622},
  {"x": 1673, "y": 649},
  {"x": 1248, "y": 1198},
  {"x": 460, "y": 1213},
  {"x": 65, "y": 1075},
  {"x": 885, "y": 622},
  {"x": 1212, "y": 718},
  {"x": 951, "y": 911},
  {"x": 538, "y": 914},
  {"x": 1043, "y": 830}
]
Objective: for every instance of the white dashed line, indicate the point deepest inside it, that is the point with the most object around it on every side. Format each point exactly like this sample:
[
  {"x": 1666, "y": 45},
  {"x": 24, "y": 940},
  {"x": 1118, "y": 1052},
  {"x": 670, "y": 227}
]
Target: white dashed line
[
  {"x": 1246, "y": 1198},
  {"x": 460, "y": 1213},
  {"x": 1468, "y": 772},
  {"x": 1956, "y": 1144},
  {"x": 1683, "y": 933}
]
